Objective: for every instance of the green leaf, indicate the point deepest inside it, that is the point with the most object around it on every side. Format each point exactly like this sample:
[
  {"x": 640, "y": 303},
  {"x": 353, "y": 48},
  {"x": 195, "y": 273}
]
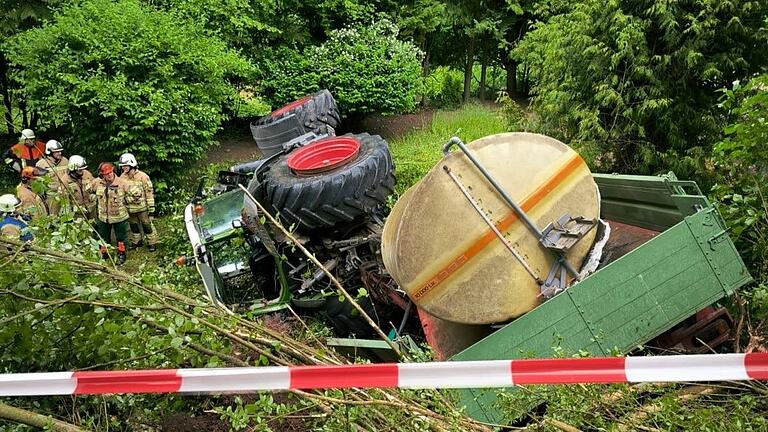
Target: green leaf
[{"x": 176, "y": 342}]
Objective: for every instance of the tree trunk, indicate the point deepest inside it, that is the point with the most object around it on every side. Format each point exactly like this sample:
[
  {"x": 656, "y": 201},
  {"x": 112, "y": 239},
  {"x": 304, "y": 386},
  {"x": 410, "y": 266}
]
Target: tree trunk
[
  {"x": 526, "y": 81},
  {"x": 510, "y": 65},
  {"x": 24, "y": 118},
  {"x": 37, "y": 420},
  {"x": 424, "y": 45},
  {"x": 483, "y": 70},
  {"x": 5, "y": 90},
  {"x": 469, "y": 62}
]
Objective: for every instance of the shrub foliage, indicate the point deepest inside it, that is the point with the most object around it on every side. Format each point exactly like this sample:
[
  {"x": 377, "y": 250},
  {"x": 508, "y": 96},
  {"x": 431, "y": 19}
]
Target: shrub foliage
[
  {"x": 640, "y": 79},
  {"x": 119, "y": 76},
  {"x": 365, "y": 67},
  {"x": 741, "y": 165},
  {"x": 443, "y": 87}
]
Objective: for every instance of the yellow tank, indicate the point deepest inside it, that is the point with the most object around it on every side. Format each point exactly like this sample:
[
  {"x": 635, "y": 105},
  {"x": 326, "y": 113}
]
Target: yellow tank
[{"x": 450, "y": 262}]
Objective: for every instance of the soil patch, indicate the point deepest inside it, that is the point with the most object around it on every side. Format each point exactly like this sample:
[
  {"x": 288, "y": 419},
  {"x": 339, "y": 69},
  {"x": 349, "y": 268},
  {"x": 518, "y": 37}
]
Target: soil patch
[
  {"x": 391, "y": 127},
  {"x": 185, "y": 423},
  {"x": 237, "y": 144}
]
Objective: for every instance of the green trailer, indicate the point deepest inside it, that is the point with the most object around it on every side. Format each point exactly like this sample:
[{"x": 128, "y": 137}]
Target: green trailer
[{"x": 676, "y": 258}]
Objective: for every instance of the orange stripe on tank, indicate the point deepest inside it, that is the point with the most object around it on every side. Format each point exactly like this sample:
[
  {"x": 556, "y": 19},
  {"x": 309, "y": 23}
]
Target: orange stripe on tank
[{"x": 527, "y": 204}]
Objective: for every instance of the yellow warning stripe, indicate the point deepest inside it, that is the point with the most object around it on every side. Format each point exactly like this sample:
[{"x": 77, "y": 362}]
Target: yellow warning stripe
[{"x": 527, "y": 204}]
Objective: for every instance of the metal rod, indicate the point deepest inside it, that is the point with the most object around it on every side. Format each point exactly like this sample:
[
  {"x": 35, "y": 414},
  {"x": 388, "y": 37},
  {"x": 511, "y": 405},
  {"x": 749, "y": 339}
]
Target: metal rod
[
  {"x": 520, "y": 212},
  {"x": 491, "y": 225},
  {"x": 405, "y": 317},
  {"x": 523, "y": 216}
]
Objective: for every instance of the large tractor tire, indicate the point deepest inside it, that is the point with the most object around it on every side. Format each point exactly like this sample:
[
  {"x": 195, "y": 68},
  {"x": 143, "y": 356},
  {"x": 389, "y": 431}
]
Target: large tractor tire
[
  {"x": 315, "y": 113},
  {"x": 340, "y": 194}
]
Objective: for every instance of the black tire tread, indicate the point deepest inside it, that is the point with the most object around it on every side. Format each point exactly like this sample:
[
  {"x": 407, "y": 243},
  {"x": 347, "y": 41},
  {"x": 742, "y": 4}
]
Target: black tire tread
[
  {"x": 337, "y": 197},
  {"x": 318, "y": 114}
]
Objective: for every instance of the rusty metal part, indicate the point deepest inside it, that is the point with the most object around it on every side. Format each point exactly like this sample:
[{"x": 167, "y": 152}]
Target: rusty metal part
[{"x": 701, "y": 334}]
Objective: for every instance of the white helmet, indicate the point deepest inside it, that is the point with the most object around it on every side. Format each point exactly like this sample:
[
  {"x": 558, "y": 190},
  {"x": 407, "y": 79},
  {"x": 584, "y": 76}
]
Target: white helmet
[
  {"x": 129, "y": 160},
  {"x": 27, "y": 134},
  {"x": 53, "y": 146},
  {"x": 76, "y": 162},
  {"x": 9, "y": 203}
]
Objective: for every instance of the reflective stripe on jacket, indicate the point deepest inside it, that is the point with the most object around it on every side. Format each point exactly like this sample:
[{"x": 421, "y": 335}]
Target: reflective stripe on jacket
[
  {"x": 111, "y": 200},
  {"x": 141, "y": 193}
]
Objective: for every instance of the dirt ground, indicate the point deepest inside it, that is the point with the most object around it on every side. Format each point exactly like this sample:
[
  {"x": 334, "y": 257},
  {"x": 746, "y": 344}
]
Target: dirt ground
[
  {"x": 185, "y": 423},
  {"x": 237, "y": 143},
  {"x": 391, "y": 127}
]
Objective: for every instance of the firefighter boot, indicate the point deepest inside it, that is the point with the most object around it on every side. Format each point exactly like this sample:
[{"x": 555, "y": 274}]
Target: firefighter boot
[{"x": 121, "y": 252}]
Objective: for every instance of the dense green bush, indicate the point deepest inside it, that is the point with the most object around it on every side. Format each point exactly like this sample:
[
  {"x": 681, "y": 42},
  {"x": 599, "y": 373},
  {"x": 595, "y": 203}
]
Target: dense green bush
[
  {"x": 239, "y": 23},
  {"x": 741, "y": 165},
  {"x": 444, "y": 87},
  {"x": 513, "y": 114},
  {"x": 640, "y": 79},
  {"x": 120, "y": 76},
  {"x": 365, "y": 67}
]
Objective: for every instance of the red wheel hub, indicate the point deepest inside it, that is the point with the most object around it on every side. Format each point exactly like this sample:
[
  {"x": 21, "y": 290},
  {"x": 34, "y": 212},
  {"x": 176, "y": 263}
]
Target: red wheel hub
[{"x": 323, "y": 155}]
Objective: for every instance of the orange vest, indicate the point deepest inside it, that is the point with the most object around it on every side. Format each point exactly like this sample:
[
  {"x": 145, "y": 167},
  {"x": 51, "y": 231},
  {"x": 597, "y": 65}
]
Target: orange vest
[{"x": 30, "y": 155}]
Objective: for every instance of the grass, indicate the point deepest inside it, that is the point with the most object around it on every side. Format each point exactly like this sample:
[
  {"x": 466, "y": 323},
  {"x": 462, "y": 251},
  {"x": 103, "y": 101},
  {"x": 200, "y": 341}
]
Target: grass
[{"x": 416, "y": 153}]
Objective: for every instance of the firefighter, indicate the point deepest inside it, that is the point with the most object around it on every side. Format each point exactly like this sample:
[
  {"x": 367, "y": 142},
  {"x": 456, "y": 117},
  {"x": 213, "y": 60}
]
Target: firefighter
[
  {"x": 32, "y": 204},
  {"x": 55, "y": 164},
  {"x": 76, "y": 183},
  {"x": 112, "y": 209},
  {"x": 141, "y": 203},
  {"x": 26, "y": 153},
  {"x": 12, "y": 224}
]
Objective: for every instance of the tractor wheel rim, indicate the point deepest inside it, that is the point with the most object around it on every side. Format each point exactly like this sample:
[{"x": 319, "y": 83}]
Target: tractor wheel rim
[
  {"x": 323, "y": 155},
  {"x": 290, "y": 106}
]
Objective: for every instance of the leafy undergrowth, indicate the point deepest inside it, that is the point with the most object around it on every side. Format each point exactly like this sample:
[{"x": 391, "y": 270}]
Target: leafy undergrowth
[
  {"x": 416, "y": 153},
  {"x": 64, "y": 308},
  {"x": 648, "y": 407}
]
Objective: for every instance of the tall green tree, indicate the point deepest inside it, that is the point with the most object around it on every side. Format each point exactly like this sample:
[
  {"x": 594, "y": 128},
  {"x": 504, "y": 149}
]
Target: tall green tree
[
  {"x": 637, "y": 81},
  {"x": 420, "y": 20}
]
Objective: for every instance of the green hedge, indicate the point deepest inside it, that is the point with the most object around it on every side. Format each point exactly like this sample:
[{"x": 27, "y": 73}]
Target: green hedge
[
  {"x": 444, "y": 87},
  {"x": 366, "y": 68}
]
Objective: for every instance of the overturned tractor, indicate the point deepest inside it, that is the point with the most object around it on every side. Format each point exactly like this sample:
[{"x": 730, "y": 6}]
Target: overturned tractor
[{"x": 507, "y": 247}]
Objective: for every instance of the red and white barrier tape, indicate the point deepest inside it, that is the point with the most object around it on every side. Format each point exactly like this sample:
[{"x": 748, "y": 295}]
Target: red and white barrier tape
[{"x": 468, "y": 374}]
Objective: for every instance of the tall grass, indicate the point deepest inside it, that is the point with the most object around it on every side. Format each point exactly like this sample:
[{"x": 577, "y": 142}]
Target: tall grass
[{"x": 417, "y": 152}]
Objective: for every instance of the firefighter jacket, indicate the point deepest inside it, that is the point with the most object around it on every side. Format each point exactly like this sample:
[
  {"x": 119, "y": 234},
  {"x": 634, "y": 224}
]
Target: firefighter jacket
[
  {"x": 111, "y": 200},
  {"x": 32, "y": 204},
  {"x": 141, "y": 194},
  {"x": 57, "y": 172},
  {"x": 81, "y": 199},
  {"x": 20, "y": 155},
  {"x": 15, "y": 228}
]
